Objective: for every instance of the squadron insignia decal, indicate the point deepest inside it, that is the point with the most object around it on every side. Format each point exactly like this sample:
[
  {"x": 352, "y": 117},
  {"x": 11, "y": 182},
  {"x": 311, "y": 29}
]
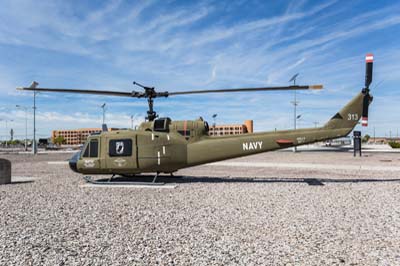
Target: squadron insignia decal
[
  {"x": 88, "y": 163},
  {"x": 120, "y": 162}
]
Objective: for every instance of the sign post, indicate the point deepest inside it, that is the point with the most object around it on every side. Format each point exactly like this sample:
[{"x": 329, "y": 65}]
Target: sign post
[{"x": 357, "y": 142}]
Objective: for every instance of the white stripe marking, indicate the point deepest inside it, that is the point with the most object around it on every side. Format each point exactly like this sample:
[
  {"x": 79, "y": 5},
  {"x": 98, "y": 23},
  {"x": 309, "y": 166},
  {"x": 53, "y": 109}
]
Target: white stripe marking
[
  {"x": 158, "y": 158},
  {"x": 152, "y": 136},
  {"x": 163, "y": 149},
  {"x": 168, "y": 137}
]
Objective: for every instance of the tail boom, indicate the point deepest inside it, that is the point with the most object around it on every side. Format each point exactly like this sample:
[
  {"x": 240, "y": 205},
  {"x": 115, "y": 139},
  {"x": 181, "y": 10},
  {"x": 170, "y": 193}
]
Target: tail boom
[{"x": 212, "y": 149}]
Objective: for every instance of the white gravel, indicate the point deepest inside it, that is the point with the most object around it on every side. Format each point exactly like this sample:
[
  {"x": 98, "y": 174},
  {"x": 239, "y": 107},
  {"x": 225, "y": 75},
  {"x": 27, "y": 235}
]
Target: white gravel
[{"x": 218, "y": 215}]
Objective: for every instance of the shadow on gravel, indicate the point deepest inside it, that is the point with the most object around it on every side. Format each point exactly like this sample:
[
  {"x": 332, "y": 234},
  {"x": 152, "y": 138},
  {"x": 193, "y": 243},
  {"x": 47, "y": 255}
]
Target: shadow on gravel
[
  {"x": 205, "y": 179},
  {"x": 19, "y": 182}
]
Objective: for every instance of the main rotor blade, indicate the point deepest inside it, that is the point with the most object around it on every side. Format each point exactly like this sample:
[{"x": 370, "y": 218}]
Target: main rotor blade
[
  {"x": 98, "y": 92},
  {"x": 294, "y": 87}
]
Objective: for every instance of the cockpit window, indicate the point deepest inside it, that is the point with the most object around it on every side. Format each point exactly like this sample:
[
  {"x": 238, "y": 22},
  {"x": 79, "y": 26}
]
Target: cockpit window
[
  {"x": 92, "y": 149},
  {"x": 86, "y": 153}
]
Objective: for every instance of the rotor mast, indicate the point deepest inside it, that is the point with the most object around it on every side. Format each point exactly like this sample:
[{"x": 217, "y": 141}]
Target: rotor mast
[{"x": 149, "y": 93}]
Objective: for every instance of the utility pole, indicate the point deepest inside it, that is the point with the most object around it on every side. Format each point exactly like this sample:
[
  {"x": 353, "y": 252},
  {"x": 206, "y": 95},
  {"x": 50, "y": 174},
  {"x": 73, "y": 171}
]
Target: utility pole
[
  {"x": 131, "y": 121},
  {"x": 26, "y": 124},
  {"x": 295, "y": 103},
  {"x": 316, "y": 124}
]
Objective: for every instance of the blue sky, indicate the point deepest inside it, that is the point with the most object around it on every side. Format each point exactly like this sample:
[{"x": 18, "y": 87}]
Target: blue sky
[{"x": 182, "y": 45}]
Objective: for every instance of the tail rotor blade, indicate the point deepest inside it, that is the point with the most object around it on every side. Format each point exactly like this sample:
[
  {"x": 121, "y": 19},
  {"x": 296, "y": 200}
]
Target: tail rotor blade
[
  {"x": 366, "y": 101},
  {"x": 369, "y": 60}
]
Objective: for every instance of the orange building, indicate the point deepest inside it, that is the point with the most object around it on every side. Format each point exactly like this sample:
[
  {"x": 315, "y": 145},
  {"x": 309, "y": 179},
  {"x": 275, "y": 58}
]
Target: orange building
[
  {"x": 74, "y": 136},
  {"x": 232, "y": 129}
]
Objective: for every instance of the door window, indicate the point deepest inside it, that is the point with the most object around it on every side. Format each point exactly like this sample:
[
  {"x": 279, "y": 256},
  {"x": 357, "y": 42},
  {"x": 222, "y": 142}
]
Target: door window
[{"x": 120, "y": 147}]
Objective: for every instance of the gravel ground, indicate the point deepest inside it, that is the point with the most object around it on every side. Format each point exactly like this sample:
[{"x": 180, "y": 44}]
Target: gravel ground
[{"x": 217, "y": 215}]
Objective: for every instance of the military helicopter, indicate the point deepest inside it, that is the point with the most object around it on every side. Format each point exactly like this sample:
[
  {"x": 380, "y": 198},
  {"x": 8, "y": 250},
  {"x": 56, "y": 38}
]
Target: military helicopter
[{"x": 161, "y": 145}]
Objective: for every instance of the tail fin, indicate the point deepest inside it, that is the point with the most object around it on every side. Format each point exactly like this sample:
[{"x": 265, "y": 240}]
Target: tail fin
[
  {"x": 357, "y": 108},
  {"x": 349, "y": 115}
]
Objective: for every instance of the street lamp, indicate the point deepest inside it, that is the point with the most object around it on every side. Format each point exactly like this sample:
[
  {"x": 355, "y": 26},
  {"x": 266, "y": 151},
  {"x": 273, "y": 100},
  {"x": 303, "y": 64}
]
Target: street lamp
[
  {"x": 214, "y": 124},
  {"x": 7, "y": 120},
  {"x": 133, "y": 117},
  {"x": 26, "y": 123},
  {"x": 33, "y": 86}
]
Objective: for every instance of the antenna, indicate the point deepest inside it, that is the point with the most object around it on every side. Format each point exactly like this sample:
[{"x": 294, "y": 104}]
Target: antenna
[
  {"x": 295, "y": 103},
  {"x": 103, "y": 106},
  {"x": 294, "y": 78}
]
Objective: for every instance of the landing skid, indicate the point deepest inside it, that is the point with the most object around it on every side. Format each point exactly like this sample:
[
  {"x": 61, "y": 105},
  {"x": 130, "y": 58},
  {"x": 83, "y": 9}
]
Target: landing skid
[{"x": 115, "y": 181}]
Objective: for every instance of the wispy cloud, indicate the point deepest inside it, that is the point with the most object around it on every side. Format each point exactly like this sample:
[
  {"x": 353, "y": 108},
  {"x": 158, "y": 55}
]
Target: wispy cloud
[{"x": 180, "y": 46}]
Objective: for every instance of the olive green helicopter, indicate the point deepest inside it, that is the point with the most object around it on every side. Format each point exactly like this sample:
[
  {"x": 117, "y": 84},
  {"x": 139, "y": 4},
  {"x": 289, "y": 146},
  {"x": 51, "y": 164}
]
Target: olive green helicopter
[{"x": 161, "y": 145}]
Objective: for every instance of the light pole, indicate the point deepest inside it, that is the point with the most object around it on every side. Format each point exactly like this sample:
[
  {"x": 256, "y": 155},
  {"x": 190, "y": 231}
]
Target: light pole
[
  {"x": 26, "y": 123},
  {"x": 374, "y": 136},
  {"x": 214, "y": 124},
  {"x": 34, "y": 147},
  {"x": 7, "y": 120},
  {"x": 295, "y": 103}
]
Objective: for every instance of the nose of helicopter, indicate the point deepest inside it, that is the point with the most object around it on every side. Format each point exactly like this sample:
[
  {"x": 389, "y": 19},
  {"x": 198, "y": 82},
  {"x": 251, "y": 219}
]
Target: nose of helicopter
[{"x": 73, "y": 162}]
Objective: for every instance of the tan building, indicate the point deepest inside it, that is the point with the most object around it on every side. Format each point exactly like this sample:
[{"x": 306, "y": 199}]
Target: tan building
[
  {"x": 79, "y": 136},
  {"x": 74, "y": 136},
  {"x": 232, "y": 129}
]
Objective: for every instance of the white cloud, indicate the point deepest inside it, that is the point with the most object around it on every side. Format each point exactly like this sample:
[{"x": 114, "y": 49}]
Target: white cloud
[{"x": 192, "y": 47}]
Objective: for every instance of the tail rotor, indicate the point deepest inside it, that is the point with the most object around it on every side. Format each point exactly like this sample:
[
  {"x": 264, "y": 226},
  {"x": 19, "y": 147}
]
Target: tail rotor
[{"x": 369, "y": 59}]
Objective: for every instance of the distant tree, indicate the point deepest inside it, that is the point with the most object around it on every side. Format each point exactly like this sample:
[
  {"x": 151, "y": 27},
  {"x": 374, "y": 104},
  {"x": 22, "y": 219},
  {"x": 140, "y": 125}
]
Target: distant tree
[
  {"x": 15, "y": 142},
  {"x": 394, "y": 145},
  {"x": 59, "y": 140},
  {"x": 366, "y": 138}
]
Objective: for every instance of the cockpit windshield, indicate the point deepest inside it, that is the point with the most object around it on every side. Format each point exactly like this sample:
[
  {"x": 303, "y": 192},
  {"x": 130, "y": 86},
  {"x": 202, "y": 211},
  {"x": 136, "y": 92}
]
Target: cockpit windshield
[{"x": 91, "y": 149}]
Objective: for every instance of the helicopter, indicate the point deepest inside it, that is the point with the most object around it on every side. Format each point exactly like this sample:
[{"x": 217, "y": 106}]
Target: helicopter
[{"x": 161, "y": 145}]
